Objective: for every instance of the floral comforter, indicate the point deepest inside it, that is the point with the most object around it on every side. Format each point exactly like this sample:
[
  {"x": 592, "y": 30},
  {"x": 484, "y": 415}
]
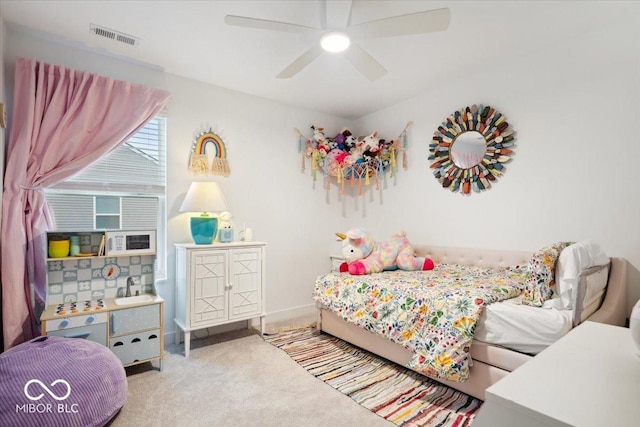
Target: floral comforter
[{"x": 433, "y": 313}]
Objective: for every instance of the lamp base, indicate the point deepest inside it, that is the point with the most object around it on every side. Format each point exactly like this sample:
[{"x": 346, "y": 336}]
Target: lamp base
[{"x": 203, "y": 229}]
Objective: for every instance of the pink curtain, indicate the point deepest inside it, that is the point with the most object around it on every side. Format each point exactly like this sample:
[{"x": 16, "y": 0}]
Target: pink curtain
[{"x": 63, "y": 120}]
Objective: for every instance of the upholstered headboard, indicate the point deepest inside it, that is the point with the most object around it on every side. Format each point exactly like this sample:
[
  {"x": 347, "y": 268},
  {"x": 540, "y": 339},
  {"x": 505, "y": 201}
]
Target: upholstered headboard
[
  {"x": 484, "y": 258},
  {"x": 613, "y": 309}
]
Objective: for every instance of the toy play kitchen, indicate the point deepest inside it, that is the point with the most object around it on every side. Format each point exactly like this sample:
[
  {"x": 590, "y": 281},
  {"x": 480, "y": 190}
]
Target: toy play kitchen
[{"x": 103, "y": 291}]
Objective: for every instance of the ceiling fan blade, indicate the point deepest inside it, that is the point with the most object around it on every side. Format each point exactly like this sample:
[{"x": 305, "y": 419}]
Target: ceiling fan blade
[
  {"x": 364, "y": 62},
  {"x": 337, "y": 14},
  {"x": 403, "y": 25},
  {"x": 303, "y": 60},
  {"x": 263, "y": 24}
]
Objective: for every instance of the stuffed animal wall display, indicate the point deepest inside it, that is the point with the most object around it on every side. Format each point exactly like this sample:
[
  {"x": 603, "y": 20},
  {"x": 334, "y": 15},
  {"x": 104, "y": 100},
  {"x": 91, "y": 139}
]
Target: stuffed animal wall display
[
  {"x": 344, "y": 151},
  {"x": 364, "y": 255},
  {"x": 371, "y": 142}
]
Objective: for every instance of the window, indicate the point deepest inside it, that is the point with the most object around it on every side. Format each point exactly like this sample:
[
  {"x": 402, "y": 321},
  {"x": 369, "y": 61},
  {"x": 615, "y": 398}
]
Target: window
[
  {"x": 124, "y": 190},
  {"x": 108, "y": 213}
]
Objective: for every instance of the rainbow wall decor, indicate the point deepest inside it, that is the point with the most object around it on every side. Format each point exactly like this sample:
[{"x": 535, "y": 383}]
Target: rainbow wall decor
[{"x": 209, "y": 143}]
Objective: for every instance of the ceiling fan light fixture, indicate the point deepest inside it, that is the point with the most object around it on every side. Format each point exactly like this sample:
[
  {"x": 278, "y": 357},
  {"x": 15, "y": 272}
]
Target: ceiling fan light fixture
[{"x": 335, "y": 42}]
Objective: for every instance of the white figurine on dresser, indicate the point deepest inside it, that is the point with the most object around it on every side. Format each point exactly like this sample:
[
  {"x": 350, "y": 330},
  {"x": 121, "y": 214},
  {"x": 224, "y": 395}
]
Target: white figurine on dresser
[{"x": 218, "y": 284}]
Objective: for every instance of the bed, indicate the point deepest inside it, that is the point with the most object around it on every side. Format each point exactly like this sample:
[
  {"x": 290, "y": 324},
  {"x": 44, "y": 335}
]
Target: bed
[{"x": 506, "y": 335}]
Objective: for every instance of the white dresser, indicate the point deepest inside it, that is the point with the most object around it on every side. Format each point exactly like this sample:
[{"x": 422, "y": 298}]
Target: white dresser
[
  {"x": 218, "y": 284},
  {"x": 588, "y": 378}
]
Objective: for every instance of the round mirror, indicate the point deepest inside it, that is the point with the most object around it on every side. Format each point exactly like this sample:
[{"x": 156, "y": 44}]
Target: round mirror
[{"x": 469, "y": 149}]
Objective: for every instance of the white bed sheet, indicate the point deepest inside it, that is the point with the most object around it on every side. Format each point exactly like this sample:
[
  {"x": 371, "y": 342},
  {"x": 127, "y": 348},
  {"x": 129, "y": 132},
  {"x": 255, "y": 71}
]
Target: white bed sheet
[{"x": 521, "y": 327}]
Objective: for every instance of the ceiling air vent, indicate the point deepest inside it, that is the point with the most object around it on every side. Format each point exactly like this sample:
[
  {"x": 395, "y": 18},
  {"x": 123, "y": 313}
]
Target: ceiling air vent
[{"x": 114, "y": 35}]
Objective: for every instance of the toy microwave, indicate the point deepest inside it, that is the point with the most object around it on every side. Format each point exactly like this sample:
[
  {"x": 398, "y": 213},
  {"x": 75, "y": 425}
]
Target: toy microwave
[{"x": 130, "y": 242}]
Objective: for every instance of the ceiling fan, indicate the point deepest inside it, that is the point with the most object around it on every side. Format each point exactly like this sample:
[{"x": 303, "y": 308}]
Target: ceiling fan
[{"x": 337, "y": 34}]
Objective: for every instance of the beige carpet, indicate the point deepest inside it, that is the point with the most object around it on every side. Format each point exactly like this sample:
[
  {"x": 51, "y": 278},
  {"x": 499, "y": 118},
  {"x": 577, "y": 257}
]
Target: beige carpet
[{"x": 235, "y": 379}]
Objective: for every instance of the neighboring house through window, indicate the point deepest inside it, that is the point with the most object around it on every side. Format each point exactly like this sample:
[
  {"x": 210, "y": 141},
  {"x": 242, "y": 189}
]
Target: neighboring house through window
[{"x": 125, "y": 190}]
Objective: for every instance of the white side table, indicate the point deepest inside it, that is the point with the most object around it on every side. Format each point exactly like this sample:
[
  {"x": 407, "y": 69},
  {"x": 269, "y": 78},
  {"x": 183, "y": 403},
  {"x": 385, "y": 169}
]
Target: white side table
[{"x": 588, "y": 378}]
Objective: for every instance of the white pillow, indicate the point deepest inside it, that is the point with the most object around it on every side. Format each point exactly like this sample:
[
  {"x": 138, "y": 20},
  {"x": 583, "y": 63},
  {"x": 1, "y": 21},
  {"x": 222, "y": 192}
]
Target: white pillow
[{"x": 572, "y": 261}]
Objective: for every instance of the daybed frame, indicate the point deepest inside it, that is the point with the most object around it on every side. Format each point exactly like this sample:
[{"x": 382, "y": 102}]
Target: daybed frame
[{"x": 490, "y": 363}]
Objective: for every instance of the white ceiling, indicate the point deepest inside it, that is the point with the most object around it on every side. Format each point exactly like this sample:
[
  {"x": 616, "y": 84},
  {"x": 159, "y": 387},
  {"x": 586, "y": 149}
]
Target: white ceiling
[{"x": 190, "y": 38}]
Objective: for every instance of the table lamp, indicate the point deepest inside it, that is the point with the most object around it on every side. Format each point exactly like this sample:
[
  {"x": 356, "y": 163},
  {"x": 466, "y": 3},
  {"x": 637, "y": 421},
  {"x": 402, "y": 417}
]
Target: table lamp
[{"x": 204, "y": 197}]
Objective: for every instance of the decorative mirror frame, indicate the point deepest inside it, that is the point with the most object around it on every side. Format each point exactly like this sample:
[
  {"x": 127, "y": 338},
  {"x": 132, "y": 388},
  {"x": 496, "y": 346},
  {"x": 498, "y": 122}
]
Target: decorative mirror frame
[{"x": 499, "y": 140}]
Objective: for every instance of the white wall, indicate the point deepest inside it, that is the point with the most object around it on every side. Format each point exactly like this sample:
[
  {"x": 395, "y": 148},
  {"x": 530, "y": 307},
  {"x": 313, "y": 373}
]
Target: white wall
[
  {"x": 265, "y": 190},
  {"x": 574, "y": 176}
]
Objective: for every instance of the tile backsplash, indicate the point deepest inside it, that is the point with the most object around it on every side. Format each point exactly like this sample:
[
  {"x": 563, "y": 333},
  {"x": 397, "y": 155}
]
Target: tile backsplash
[{"x": 92, "y": 278}]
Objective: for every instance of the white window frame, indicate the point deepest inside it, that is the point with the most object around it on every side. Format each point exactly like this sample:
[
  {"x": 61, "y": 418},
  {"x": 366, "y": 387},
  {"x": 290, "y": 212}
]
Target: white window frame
[{"x": 161, "y": 229}]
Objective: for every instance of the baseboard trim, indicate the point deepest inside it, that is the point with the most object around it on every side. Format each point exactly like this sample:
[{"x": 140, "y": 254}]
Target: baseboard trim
[
  {"x": 170, "y": 335},
  {"x": 307, "y": 310}
]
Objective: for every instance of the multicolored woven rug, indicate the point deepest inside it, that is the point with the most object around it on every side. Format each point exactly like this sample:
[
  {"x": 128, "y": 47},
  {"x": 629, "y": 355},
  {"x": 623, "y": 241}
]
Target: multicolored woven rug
[{"x": 391, "y": 391}]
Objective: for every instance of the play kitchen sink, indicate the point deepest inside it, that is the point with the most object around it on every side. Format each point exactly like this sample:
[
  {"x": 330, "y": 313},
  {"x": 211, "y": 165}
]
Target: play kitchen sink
[{"x": 133, "y": 300}]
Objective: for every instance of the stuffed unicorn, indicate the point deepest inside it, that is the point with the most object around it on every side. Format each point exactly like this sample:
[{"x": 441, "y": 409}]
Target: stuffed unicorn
[{"x": 364, "y": 255}]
